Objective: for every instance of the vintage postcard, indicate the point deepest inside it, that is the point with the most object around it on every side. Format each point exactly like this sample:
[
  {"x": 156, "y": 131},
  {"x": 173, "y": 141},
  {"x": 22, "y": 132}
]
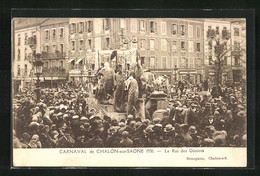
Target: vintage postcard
[{"x": 129, "y": 92}]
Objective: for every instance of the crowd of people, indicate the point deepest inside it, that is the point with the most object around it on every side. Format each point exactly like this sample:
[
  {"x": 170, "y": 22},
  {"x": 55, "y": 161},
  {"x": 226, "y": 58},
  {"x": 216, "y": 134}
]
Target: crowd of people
[{"x": 195, "y": 117}]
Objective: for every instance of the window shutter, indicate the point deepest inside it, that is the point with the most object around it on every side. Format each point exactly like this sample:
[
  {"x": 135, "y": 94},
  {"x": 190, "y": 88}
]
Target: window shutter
[
  {"x": 91, "y": 25},
  {"x": 148, "y": 44},
  {"x": 168, "y": 62},
  {"x": 92, "y": 43},
  {"x": 108, "y": 23},
  {"x": 77, "y": 28},
  {"x": 146, "y": 62},
  {"x": 76, "y": 44},
  {"x": 70, "y": 28},
  {"x": 126, "y": 24},
  {"x": 159, "y": 62},
  {"x": 155, "y": 26},
  {"x": 86, "y": 26},
  {"x": 149, "y": 26},
  {"x": 145, "y": 25},
  {"x": 102, "y": 43}
]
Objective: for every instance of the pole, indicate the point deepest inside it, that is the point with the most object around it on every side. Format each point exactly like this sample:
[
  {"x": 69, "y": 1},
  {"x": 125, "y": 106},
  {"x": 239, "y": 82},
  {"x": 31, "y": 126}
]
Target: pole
[
  {"x": 37, "y": 90},
  {"x": 51, "y": 76},
  {"x": 231, "y": 52}
]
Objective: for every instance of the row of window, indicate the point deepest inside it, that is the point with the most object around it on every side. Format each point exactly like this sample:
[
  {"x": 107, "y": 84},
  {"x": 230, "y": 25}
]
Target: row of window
[
  {"x": 53, "y": 48},
  {"x": 236, "y": 45},
  {"x": 19, "y": 70},
  {"x": 82, "y": 27},
  {"x": 25, "y": 38},
  {"x": 165, "y": 62},
  {"x": 53, "y": 34},
  {"x": 88, "y": 26},
  {"x": 51, "y": 64},
  {"x": 211, "y": 61},
  {"x": 173, "y": 45},
  {"x": 81, "y": 45},
  {"x": 19, "y": 54},
  {"x": 142, "y": 45},
  {"x": 235, "y": 30},
  {"x": 175, "y": 28}
]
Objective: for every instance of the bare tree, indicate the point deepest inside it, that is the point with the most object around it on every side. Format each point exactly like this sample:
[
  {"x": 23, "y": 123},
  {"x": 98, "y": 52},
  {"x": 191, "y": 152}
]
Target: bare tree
[{"x": 219, "y": 41}]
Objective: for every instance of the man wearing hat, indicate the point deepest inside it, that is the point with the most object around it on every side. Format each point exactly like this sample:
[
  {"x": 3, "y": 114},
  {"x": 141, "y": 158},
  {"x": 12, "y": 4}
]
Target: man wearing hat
[
  {"x": 192, "y": 115},
  {"x": 126, "y": 141},
  {"x": 66, "y": 141},
  {"x": 169, "y": 134},
  {"x": 186, "y": 136},
  {"x": 107, "y": 79}
]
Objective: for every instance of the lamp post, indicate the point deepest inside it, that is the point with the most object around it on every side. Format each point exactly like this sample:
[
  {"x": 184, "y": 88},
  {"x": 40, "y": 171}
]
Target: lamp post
[
  {"x": 188, "y": 77},
  {"x": 175, "y": 73},
  {"x": 81, "y": 74},
  {"x": 38, "y": 71}
]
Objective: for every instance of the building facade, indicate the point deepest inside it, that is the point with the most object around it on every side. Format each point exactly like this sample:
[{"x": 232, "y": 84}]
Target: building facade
[
  {"x": 26, "y": 43},
  {"x": 163, "y": 45},
  {"x": 173, "y": 47},
  {"x": 216, "y": 29},
  {"x": 74, "y": 48},
  {"x": 55, "y": 49},
  {"x": 238, "y": 40},
  {"x": 85, "y": 41}
]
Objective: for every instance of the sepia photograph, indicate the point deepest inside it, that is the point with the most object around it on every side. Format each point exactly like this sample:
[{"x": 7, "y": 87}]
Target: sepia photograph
[{"x": 142, "y": 84}]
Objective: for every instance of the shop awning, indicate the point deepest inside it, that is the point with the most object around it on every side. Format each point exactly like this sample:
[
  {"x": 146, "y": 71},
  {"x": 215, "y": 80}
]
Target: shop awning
[
  {"x": 78, "y": 61},
  {"x": 54, "y": 78},
  {"x": 71, "y": 60}
]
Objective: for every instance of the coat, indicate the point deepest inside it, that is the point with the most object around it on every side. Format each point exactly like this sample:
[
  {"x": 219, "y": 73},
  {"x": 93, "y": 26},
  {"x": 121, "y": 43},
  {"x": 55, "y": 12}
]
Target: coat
[{"x": 133, "y": 93}]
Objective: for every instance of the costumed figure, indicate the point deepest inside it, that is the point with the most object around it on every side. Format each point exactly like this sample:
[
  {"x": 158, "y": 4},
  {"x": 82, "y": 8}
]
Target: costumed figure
[
  {"x": 138, "y": 73},
  {"x": 107, "y": 79},
  {"x": 119, "y": 89},
  {"x": 133, "y": 92}
]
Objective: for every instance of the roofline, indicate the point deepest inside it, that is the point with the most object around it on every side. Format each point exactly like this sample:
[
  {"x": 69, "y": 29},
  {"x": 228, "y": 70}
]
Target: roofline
[
  {"x": 30, "y": 25},
  {"x": 218, "y": 21},
  {"x": 53, "y": 23}
]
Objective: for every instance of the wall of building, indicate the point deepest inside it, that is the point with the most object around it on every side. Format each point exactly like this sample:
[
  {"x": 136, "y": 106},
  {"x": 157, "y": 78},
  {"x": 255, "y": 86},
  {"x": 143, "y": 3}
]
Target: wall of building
[
  {"x": 162, "y": 56},
  {"x": 24, "y": 62},
  {"x": 163, "y": 44},
  {"x": 238, "y": 36},
  {"x": 55, "y": 43}
]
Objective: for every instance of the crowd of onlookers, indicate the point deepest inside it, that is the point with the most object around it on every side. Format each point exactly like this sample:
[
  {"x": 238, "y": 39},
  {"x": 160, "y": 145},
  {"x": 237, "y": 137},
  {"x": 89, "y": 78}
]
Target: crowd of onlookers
[{"x": 194, "y": 118}]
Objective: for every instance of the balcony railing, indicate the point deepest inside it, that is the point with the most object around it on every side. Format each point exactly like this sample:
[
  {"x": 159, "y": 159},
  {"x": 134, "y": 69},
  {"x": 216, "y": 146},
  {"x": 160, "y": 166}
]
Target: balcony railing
[
  {"x": 56, "y": 54},
  {"x": 32, "y": 41},
  {"x": 54, "y": 72}
]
